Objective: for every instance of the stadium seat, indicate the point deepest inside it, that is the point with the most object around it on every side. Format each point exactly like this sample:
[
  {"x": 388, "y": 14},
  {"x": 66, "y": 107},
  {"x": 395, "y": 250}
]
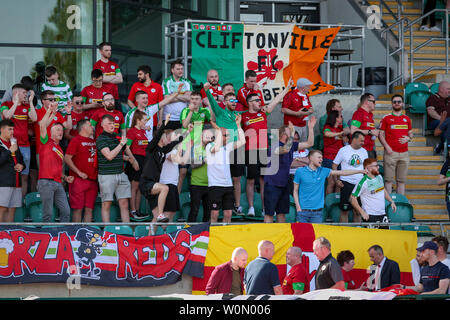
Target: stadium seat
[
  {"x": 20, "y": 215},
  {"x": 332, "y": 211},
  {"x": 122, "y": 230},
  {"x": 290, "y": 218},
  {"x": 186, "y": 183},
  {"x": 404, "y": 213},
  {"x": 395, "y": 228},
  {"x": 434, "y": 88},
  {"x": 34, "y": 207},
  {"x": 173, "y": 228},
  {"x": 257, "y": 204},
  {"x": 243, "y": 184},
  {"x": 97, "y": 213},
  {"x": 414, "y": 87},
  {"x": 185, "y": 199},
  {"x": 422, "y": 231},
  {"x": 399, "y": 198},
  {"x": 141, "y": 231}
]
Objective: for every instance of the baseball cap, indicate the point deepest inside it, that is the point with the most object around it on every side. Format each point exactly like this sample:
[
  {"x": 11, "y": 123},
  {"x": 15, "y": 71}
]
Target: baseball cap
[
  {"x": 303, "y": 82},
  {"x": 428, "y": 245}
]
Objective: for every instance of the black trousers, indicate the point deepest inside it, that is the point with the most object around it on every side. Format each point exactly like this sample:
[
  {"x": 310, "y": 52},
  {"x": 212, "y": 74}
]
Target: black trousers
[
  {"x": 199, "y": 194},
  {"x": 430, "y": 5}
]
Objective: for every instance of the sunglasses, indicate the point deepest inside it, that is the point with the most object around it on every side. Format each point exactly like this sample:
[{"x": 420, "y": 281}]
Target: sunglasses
[
  {"x": 256, "y": 100},
  {"x": 108, "y": 100},
  {"x": 78, "y": 102},
  {"x": 397, "y": 102},
  {"x": 373, "y": 101},
  {"x": 50, "y": 99},
  {"x": 233, "y": 100}
]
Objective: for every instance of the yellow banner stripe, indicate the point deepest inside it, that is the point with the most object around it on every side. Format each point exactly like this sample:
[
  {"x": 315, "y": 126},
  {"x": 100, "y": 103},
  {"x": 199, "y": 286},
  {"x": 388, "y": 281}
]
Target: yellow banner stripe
[
  {"x": 224, "y": 239},
  {"x": 399, "y": 246}
]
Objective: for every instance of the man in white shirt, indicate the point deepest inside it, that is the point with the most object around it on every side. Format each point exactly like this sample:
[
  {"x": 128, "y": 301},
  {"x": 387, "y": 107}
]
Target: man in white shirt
[
  {"x": 220, "y": 184},
  {"x": 350, "y": 157}
]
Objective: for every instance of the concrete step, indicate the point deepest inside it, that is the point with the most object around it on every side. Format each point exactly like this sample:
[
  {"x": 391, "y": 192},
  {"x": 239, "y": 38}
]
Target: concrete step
[
  {"x": 393, "y": 4},
  {"x": 422, "y": 187},
  {"x": 416, "y": 142},
  {"x": 432, "y": 216},
  {"x": 426, "y": 64},
  {"x": 405, "y": 11},
  {"x": 426, "y": 198},
  {"x": 430, "y": 209},
  {"x": 419, "y": 158},
  {"x": 425, "y": 170},
  {"x": 413, "y": 151},
  {"x": 418, "y": 33},
  {"x": 427, "y": 49}
]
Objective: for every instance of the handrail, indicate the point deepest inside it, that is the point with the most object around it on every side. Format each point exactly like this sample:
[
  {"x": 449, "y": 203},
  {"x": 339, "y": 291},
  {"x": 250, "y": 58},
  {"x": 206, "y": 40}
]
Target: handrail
[
  {"x": 399, "y": 9},
  {"x": 411, "y": 43},
  {"x": 401, "y": 43}
]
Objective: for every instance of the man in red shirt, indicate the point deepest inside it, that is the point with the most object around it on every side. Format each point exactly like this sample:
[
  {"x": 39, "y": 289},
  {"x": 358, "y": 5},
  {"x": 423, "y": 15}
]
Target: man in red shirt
[
  {"x": 254, "y": 124},
  {"x": 395, "y": 134},
  {"x": 51, "y": 173},
  {"x": 110, "y": 69},
  {"x": 77, "y": 115},
  {"x": 346, "y": 260},
  {"x": 362, "y": 120},
  {"x": 21, "y": 110},
  {"x": 297, "y": 107},
  {"x": 216, "y": 90},
  {"x": 229, "y": 276},
  {"x": 48, "y": 100},
  {"x": 296, "y": 280},
  {"x": 145, "y": 83},
  {"x": 93, "y": 94},
  {"x": 250, "y": 86},
  {"x": 108, "y": 108},
  {"x": 80, "y": 157}
]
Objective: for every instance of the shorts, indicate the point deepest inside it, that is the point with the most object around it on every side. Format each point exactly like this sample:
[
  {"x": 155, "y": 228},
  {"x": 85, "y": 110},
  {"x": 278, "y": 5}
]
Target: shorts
[
  {"x": 276, "y": 199},
  {"x": 372, "y": 154},
  {"x": 221, "y": 198},
  {"x": 10, "y": 197},
  {"x": 172, "y": 200},
  {"x": 26, "y": 154},
  {"x": 378, "y": 218},
  {"x": 237, "y": 162},
  {"x": 346, "y": 192},
  {"x": 82, "y": 193},
  {"x": 114, "y": 184},
  {"x": 254, "y": 161},
  {"x": 132, "y": 174},
  {"x": 396, "y": 166}
]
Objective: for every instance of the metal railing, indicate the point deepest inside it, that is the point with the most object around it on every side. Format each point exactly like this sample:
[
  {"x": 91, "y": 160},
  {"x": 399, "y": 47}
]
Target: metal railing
[
  {"x": 178, "y": 40},
  {"x": 412, "y": 50}
]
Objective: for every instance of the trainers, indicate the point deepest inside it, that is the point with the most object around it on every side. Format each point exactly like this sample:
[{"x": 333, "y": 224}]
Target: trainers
[
  {"x": 437, "y": 150},
  {"x": 424, "y": 28},
  {"x": 162, "y": 218},
  {"x": 435, "y": 29},
  {"x": 134, "y": 214},
  {"x": 251, "y": 212},
  {"x": 238, "y": 211}
]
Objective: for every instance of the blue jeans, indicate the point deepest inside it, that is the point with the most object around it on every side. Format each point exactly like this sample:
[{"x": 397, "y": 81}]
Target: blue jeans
[{"x": 309, "y": 216}]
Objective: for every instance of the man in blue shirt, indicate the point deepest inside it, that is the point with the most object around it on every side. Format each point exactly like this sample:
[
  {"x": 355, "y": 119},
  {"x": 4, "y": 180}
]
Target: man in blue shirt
[
  {"x": 309, "y": 187},
  {"x": 276, "y": 186},
  {"x": 261, "y": 275}
]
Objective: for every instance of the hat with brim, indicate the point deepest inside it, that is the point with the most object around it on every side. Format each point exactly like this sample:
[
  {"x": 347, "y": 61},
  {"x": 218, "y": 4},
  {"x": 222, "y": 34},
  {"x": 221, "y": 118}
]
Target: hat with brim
[{"x": 428, "y": 245}]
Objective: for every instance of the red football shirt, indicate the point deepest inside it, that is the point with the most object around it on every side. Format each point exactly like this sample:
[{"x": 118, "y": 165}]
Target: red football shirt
[
  {"x": 50, "y": 160},
  {"x": 244, "y": 92},
  {"x": 96, "y": 120},
  {"x": 214, "y": 92},
  {"x": 295, "y": 101},
  {"x": 364, "y": 121},
  {"x": 296, "y": 279},
  {"x": 154, "y": 91},
  {"x": 350, "y": 284},
  {"x": 92, "y": 94},
  {"x": 255, "y": 128},
  {"x": 137, "y": 140},
  {"x": 77, "y": 117},
  {"x": 58, "y": 118},
  {"x": 395, "y": 127},
  {"x": 20, "y": 119},
  {"x": 83, "y": 151},
  {"x": 109, "y": 68},
  {"x": 331, "y": 146}
]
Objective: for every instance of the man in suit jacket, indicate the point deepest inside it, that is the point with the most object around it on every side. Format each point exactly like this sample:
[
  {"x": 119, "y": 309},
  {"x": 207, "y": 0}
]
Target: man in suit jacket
[
  {"x": 229, "y": 276},
  {"x": 384, "y": 272}
]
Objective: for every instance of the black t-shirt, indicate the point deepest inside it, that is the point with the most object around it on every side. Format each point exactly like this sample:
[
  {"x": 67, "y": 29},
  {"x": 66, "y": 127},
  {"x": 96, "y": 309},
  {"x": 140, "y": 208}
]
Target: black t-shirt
[
  {"x": 261, "y": 276},
  {"x": 328, "y": 273},
  {"x": 431, "y": 275},
  {"x": 445, "y": 171}
]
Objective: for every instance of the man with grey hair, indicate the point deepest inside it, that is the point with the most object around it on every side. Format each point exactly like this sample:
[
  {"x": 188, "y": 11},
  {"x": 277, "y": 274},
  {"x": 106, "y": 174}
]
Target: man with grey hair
[
  {"x": 261, "y": 276},
  {"x": 297, "y": 107},
  {"x": 437, "y": 104},
  {"x": 384, "y": 272},
  {"x": 329, "y": 273},
  {"x": 228, "y": 277},
  {"x": 296, "y": 280}
]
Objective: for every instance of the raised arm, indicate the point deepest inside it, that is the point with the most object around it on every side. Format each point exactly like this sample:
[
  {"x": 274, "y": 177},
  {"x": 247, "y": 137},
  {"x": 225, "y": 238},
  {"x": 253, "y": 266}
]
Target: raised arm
[{"x": 271, "y": 106}]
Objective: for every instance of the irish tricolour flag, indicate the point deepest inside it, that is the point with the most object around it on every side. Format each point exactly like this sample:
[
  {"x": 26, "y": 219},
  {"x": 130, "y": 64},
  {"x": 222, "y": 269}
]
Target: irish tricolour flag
[{"x": 274, "y": 52}]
